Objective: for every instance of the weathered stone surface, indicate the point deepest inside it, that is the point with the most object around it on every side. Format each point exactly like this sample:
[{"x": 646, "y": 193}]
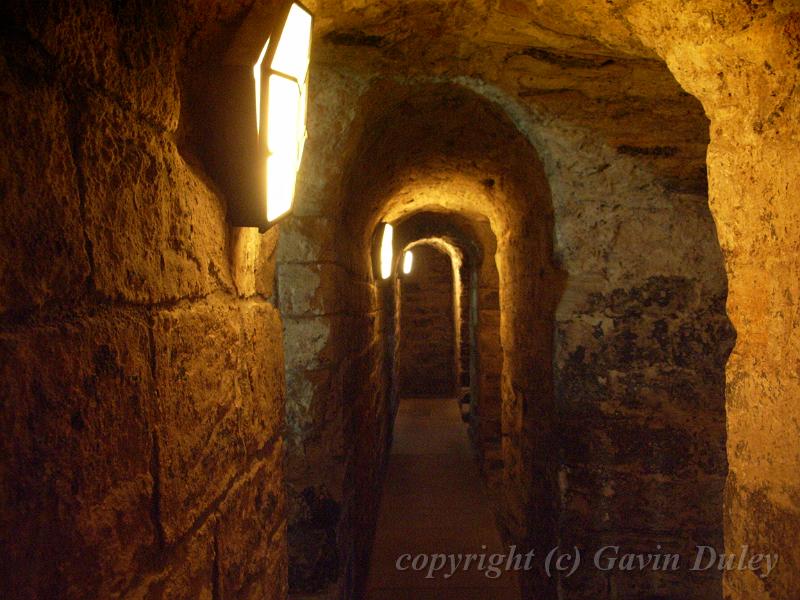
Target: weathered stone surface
[
  {"x": 308, "y": 289},
  {"x": 43, "y": 256},
  {"x": 220, "y": 391},
  {"x": 130, "y": 54},
  {"x": 253, "y": 261},
  {"x": 156, "y": 230},
  {"x": 251, "y": 547},
  {"x": 77, "y": 491},
  {"x": 601, "y": 500},
  {"x": 309, "y": 341},
  {"x": 308, "y": 239},
  {"x": 189, "y": 574}
]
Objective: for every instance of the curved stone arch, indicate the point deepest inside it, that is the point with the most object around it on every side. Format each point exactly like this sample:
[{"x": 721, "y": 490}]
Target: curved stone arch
[
  {"x": 413, "y": 173},
  {"x": 118, "y": 74},
  {"x": 459, "y": 231},
  {"x": 430, "y": 137},
  {"x": 427, "y": 305},
  {"x": 442, "y": 147},
  {"x": 481, "y": 356}
]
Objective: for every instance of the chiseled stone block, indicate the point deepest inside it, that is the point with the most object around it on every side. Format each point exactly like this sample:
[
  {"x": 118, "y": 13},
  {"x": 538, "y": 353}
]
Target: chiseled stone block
[
  {"x": 78, "y": 492},
  {"x": 218, "y": 369},
  {"x": 42, "y": 254}
]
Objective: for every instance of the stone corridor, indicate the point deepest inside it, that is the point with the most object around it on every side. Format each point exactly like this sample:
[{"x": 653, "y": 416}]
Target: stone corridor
[{"x": 206, "y": 330}]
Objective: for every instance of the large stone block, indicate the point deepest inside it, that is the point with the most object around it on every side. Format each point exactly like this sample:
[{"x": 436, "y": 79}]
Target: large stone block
[
  {"x": 253, "y": 261},
  {"x": 42, "y": 255},
  {"x": 313, "y": 401},
  {"x": 645, "y": 445},
  {"x": 130, "y": 51},
  {"x": 307, "y": 240},
  {"x": 598, "y": 499},
  {"x": 188, "y": 574},
  {"x": 252, "y": 547},
  {"x": 311, "y": 289},
  {"x": 78, "y": 493},
  {"x": 157, "y": 232},
  {"x": 309, "y": 342},
  {"x": 665, "y": 394},
  {"x": 218, "y": 370},
  {"x": 335, "y": 95}
]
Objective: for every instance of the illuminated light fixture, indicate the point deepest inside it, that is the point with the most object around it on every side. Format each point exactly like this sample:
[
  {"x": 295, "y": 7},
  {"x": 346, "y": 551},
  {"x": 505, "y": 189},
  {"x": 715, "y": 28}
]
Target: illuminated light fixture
[
  {"x": 408, "y": 261},
  {"x": 257, "y": 106},
  {"x": 387, "y": 253}
]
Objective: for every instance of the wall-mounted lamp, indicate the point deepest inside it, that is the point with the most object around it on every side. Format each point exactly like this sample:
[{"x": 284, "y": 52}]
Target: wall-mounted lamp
[
  {"x": 258, "y": 107},
  {"x": 408, "y": 261},
  {"x": 387, "y": 252}
]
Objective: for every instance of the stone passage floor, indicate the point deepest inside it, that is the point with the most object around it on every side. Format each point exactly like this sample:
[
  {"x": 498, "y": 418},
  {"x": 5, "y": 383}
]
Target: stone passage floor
[{"x": 433, "y": 502}]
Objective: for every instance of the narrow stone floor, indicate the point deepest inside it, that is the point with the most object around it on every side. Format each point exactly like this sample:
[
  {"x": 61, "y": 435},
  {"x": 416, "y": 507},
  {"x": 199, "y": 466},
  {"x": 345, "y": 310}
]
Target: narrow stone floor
[{"x": 433, "y": 502}]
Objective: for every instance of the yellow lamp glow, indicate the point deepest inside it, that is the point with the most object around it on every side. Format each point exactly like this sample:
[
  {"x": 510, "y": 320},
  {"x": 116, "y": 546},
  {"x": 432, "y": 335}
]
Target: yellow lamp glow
[
  {"x": 408, "y": 261},
  {"x": 387, "y": 254},
  {"x": 253, "y": 150},
  {"x": 281, "y": 106}
]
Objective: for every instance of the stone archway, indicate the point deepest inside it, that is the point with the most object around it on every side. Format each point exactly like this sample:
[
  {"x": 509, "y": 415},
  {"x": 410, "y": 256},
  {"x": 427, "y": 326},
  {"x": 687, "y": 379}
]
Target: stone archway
[{"x": 119, "y": 269}]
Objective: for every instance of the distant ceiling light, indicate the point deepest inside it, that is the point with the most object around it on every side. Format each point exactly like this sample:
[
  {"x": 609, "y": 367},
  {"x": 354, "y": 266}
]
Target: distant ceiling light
[
  {"x": 408, "y": 261},
  {"x": 387, "y": 255},
  {"x": 259, "y": 144}
]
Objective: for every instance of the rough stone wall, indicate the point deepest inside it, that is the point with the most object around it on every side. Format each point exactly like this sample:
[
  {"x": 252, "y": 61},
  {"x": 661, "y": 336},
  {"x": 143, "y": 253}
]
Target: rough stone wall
[
  {"x": 486, "y": 421},
  {"x": 338, "y": 387},
  {"x": 641, "y": 343},
  {"x": 338, "y": 381},
  {"x": 427, "y": 329},
  {"x": 140, "y": 353},
  {"x": 745, "y": 71},
  {"x": 465, "y": 345}
]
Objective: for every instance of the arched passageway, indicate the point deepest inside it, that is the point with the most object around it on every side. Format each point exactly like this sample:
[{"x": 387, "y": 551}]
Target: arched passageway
[
  {"x": 564, "y": 448},
  {"x": 473, "y": 245},
  {"x": 194, "y": 410},
  {"x": 438, "y": 159},
  {"x": 428, "y": 322},
  {"x": 434, "y": 502}
]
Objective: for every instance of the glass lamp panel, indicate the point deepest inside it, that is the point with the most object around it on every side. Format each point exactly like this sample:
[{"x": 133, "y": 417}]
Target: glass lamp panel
[
  {"x": 386, "y": 251},
  {"x": 301, "y": 121},
  {"x": 257, "y": 76},
  {"x": 283, "y": 106},
  {"x": 292, "y": 53},
  {"x": 281, "y": 176}
]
